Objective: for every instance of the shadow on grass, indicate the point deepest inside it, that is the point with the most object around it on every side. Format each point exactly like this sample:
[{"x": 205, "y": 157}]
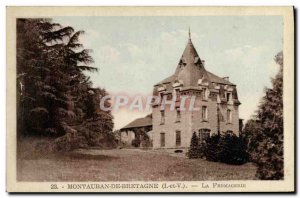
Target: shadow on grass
[
  {"x": 66, "y": 156},
  {"x": 81, "y": 156}
]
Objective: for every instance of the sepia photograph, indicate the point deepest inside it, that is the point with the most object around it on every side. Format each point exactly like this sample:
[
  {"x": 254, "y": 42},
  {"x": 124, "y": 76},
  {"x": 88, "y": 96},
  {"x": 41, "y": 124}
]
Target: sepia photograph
[{"x": 136, "y": 99}]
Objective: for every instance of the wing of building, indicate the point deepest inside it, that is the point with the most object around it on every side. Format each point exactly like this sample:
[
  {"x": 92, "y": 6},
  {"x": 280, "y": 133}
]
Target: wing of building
[{"x": 138, "y": 130}]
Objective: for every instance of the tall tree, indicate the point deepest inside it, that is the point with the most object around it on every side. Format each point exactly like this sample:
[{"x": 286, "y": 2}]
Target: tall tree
[
  {"x": 266, "y": 145},
  {"x": 53, "y": 92}
]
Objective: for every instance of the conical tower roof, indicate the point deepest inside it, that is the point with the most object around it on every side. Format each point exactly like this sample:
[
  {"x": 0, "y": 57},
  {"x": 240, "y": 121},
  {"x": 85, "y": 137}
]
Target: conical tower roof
[{"x": 190, "y": 67}]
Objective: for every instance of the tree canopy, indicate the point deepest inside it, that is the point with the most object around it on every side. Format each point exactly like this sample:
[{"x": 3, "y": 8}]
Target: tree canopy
[
  {"x": 264, "y": 133},
  {"x": 54, "y": 96}
]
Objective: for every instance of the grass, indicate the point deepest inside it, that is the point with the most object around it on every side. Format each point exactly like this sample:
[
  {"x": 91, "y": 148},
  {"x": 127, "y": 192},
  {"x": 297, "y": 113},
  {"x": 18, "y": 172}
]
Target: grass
[{"x": 126, "y": 165}]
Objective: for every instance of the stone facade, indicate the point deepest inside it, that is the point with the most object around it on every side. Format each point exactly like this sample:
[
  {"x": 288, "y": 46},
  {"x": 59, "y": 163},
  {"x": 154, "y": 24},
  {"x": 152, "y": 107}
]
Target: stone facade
[{"x": 215, "y": 97}]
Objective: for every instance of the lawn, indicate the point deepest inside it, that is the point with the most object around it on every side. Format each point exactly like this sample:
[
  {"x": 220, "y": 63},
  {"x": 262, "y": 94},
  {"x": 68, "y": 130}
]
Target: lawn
[{"x": 126, "y": 165}]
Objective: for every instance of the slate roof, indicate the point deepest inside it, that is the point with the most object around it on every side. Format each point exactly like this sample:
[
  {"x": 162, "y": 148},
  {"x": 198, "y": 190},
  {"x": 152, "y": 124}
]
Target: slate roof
[
  {"x": 168, "y": 80},
  {"x": 140, "y": 122},
  {"x": 217, "y": 79},
  {"x": 190, "y": 69},
  {"x": 212, "y": 77}
]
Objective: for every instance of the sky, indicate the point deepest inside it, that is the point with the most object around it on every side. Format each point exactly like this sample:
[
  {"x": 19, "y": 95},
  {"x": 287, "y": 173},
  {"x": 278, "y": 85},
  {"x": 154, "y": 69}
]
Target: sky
[{"x": 135, "y": 52}]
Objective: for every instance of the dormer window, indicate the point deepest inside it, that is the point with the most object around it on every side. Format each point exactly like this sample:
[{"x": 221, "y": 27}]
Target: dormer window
[
  {"x": 205, "y": 93},
  {"x": 182, "y": 62},
  {"x": 161, "y": 96},
  {"x": 197, "y": 60},
  {"x": 228, "y": 96},
  {"x": 177, "y": 94},
  {"x": 203, "y": 62}
]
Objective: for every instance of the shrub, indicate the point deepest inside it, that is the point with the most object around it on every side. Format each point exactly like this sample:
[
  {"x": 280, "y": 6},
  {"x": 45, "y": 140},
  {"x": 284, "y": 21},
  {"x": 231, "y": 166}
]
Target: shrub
[
  {"x": 211, "y": 148},
  {"x": 226, "y": 148},
  {"x": 145, "y": 141},
  {"x": 232, "y": 150},
  {"x": 87, "y": 134},
  {"x": 135, "y": 142},
  {"x": 194, "y": 150}
]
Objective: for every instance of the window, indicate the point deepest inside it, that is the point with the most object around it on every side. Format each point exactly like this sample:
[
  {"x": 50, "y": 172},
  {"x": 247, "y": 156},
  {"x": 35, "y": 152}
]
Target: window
[
  {"x": 162, "y": 140},
  {"x": 229, "y": 116},
  {"x": 204, "y": 94},
  {"x": 228, "y": 97},
  {"x": 162, "y": 120},
  {"x": 161, "y": 97},
  {"x": 176, "y": 98},
  {"x": 178, "y": 138},
  {"x": 204, "y": 113},
  {"x": 177, "y": 94},
  {"x": 178, "y": 115},
  {"x": 204, "y": 134}
]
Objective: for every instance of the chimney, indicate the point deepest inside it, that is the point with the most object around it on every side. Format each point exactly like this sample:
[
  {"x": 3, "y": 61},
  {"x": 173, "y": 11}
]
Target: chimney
[{"x": 226, "y": 78}]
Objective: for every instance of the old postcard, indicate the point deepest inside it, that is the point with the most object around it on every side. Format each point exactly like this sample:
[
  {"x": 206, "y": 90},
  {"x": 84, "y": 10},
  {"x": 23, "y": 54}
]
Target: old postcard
[{"x": 150, "y": 99}]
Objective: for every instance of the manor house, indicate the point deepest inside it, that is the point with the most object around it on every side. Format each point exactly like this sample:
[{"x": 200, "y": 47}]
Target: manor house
[{"x": 215, "y": 97}]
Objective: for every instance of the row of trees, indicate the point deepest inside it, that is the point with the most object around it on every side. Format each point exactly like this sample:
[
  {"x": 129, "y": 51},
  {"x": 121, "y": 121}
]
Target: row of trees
[
  {"x": 261, "y": 141},
  {"x": 54, "y": 96}
]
